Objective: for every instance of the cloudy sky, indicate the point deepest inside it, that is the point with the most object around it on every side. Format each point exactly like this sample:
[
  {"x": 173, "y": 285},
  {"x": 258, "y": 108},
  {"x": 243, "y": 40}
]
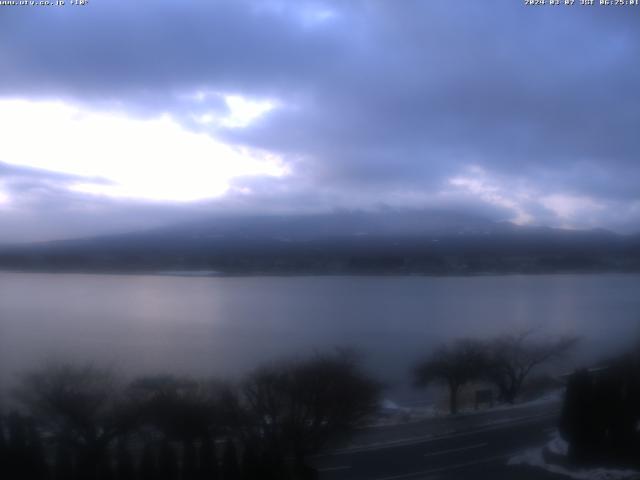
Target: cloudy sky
[{"x": 121, "y": 115}]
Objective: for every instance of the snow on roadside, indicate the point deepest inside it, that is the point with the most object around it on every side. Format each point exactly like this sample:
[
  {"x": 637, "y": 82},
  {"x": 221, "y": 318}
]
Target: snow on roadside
[
  {"x": 535, "y": 457},
  {"x": 390, "y": 413}
]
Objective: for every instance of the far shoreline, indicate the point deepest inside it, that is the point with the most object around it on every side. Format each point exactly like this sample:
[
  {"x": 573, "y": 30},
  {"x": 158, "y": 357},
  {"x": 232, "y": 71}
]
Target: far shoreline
[{"x": 186, "y": 273}]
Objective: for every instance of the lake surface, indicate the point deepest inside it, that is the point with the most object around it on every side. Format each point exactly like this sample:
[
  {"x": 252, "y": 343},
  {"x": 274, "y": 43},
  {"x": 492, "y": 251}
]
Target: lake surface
[{"x": 226, "y": 326}]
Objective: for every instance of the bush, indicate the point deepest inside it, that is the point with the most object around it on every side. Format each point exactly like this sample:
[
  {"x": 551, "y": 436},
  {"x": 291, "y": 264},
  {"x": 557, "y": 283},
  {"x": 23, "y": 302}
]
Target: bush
[{"x": 601, "y": 412}]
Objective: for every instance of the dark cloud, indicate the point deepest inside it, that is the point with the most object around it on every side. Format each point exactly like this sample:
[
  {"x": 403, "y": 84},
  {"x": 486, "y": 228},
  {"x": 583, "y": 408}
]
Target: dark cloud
[{"x": 379, "y": 103}]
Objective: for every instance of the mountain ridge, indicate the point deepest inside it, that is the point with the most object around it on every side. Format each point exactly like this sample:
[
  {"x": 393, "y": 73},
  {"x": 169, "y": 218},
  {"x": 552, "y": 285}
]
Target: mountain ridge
[{"x": 386, "y": 242}]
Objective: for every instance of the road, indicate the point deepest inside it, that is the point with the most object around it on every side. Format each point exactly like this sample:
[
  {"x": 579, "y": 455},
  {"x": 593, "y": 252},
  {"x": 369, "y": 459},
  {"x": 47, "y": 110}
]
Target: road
[{"x": 480, "y": 452}]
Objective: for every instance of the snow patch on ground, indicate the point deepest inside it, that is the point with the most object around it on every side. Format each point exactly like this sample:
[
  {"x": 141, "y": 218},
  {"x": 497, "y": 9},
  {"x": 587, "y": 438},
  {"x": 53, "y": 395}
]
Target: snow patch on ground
[
  {"x": 558, "y": 445},
  {"x": 535, "y": 457},
  {"x": 390, "y": 413}
]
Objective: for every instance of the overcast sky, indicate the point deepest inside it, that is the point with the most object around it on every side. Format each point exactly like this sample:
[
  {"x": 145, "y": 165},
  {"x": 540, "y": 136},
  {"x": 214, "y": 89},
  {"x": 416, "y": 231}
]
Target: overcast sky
[{"x": 121, "y": 115}]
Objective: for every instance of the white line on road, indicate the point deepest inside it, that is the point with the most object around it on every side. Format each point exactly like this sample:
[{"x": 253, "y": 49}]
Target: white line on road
[
  {"x": 443, "y": 469},
  {"x": 434, "y": 438},
  {"x": 334, "y": 469},
  {"x": 452, "y": 450}
]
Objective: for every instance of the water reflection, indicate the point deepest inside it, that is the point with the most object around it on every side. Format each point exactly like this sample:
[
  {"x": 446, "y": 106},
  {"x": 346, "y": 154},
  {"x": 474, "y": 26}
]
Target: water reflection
[{"x": 225, "y": 326}]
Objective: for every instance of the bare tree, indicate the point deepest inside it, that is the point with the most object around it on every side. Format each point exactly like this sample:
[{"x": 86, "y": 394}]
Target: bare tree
[
  {"x": 298, "y": 407},
  {"x": 78, "y": 404},
  {"x": 511, "y": 358},
  {"x": 181, "y": 408},
  {"x": 453, "y": 365}
]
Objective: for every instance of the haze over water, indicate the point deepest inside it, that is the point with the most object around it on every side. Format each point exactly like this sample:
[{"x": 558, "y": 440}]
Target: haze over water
[{"x": 224, "y": 327}]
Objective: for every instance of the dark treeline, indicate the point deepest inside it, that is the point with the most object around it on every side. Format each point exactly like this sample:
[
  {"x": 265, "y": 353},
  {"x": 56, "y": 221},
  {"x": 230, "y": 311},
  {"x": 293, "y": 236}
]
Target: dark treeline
[
  {"x": 601, "y": 413},
  {"x": 79, "y": 422}
]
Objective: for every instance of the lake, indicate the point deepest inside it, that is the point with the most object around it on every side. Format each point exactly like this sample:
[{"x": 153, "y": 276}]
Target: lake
[{"x": 215, "y": 326}]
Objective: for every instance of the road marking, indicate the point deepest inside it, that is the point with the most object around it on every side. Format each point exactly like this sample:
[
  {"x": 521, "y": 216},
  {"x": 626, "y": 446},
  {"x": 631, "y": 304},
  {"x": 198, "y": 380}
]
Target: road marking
[
  {"x": 452, "y": 450},
  {"x": 334, "y": 469},
  {"x": 434, "y": 438},
  {"x": 443, "y": 469}
]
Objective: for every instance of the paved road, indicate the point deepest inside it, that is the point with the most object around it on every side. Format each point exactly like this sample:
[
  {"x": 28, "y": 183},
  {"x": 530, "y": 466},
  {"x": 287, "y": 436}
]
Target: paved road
[
  {"x": 479, "y": 453},
  {"x": 446, "y": 425}
]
